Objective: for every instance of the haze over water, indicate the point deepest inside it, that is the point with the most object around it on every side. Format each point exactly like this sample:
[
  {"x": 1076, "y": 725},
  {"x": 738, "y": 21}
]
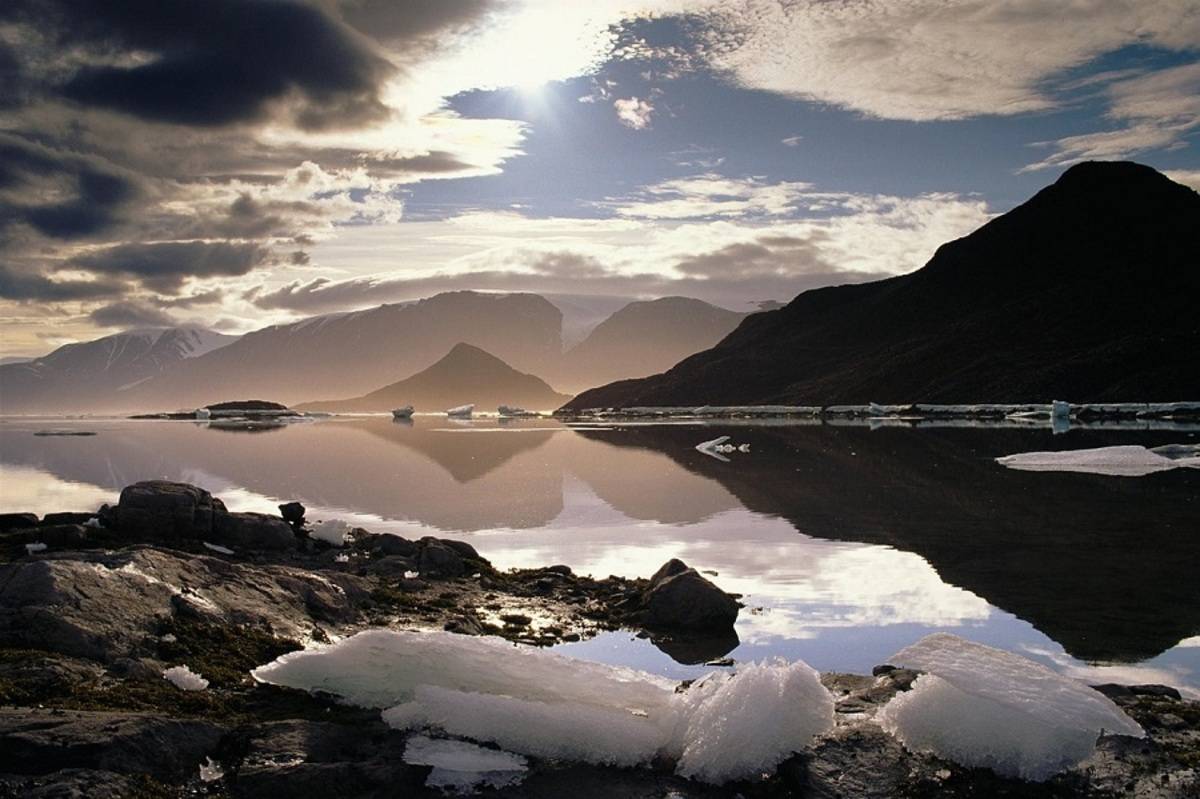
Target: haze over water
[{"x": 847, "y": 543}]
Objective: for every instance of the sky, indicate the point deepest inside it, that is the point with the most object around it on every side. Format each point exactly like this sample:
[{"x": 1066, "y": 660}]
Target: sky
[{"x": 240, "y": 163}]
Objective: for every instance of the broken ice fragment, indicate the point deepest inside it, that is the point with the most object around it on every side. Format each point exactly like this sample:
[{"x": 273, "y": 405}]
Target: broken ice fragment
[{"x": 983, "y": 707}]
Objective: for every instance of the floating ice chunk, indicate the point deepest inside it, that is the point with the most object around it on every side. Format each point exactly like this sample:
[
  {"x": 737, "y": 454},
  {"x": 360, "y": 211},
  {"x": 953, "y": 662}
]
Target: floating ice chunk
[
  {"x": 333, "y": 531},
  {"x": 461, "y": 412},
  {"x": 1119, "y": 461},
  {"x": 564, "y": 730},
  {"x": 713, "y": 448},
  {"x": 343, "y": 558},
  {"x": 544, "y": 704},
  {"x": 185, "y": 679},
  {"x": 411, "y": 575},
  {"x": 740, "y": 726},
  {"x": 460, "y": 766},
  {"x": 980, "y": 706},
  {"x": 218, "y": 548},
  {"x": 36, "y": 546}
]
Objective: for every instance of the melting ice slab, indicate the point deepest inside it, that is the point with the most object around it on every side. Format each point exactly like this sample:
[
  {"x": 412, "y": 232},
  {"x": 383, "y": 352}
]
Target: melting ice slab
[
  {"x": 460, "y": 766},
  {"x": 980, "y": 706},
  {"x": 1121, "y": 461},
  {"x": 543, "y": 704}
]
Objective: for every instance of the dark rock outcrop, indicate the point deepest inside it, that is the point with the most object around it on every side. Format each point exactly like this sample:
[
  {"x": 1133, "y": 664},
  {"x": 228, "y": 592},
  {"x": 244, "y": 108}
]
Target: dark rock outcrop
[
  {"x": 160, "y": 509},
  {"x": 680, "y": 597},
  {"x": 124, "y": 743},
  {"x": 17, "y": 521},
  {"x": 252, "y": 531}
]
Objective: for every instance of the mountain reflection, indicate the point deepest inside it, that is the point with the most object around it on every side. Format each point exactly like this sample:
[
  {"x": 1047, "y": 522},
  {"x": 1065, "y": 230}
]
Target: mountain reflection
[{"x": 1103, "y": 566}]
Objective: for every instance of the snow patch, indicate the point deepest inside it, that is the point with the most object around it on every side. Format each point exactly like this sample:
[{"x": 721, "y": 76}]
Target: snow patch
[
  {"x": 185, "y": 679},
  {"x": 36, "y": 546},
  {"x": 544, "y": 704},
  {"x": 980, "y": 706},
  {"x": 218, "y": 548},
  {"x": 1118, "y": 461}
]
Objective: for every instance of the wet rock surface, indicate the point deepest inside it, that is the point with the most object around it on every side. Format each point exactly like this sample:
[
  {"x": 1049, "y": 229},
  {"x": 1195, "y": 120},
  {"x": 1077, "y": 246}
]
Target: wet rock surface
[{"x": 88, "y": 627}]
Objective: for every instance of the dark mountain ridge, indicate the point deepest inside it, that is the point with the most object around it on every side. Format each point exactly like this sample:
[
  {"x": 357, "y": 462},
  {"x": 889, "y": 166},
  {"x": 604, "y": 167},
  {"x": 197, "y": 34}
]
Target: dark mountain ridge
[{"x": 1086, "y": 292}]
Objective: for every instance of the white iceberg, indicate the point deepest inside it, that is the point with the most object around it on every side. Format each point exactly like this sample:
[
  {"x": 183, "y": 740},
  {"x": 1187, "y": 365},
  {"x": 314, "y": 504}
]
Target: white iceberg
[
  {"x": 404, "y": 412},
  {"x": 512, "y": 411},
  {"x": 713, "y": 448},
  {"x": 461, "y": 766},
  {"x": 333, "y": 531},
  {"x": 185, "y": 679},
  {"x": 461, "y": 412},
  {"x": 543, "y": 704},
  {"x": 1118, "y": 461},
  {"x": 980, "y": 706}
]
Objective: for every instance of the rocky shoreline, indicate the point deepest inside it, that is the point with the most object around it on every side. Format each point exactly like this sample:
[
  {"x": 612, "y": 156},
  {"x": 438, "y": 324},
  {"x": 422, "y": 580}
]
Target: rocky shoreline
[{"x": 95, "y": 607}]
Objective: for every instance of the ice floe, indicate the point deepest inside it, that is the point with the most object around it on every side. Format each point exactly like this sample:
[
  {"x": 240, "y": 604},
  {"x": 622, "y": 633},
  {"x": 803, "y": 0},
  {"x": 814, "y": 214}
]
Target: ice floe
[
  {"x": 1119, "y": 461},
  {"x": 543, "y": 704},
  {"x": 980, "y": 706},
  {"x": 461, "y": 766},
  {"x": 333, "y": 531}
]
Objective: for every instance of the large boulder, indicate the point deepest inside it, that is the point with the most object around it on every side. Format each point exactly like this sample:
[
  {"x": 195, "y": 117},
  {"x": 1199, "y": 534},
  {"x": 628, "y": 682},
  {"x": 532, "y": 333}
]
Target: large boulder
[
  {"x": 438, "y": 560},
  {"x": 126, "y": 743},
  {"x": 160, "y": 509},
  {"x": 17, "y": 521},
  {"x": 252, "y": 531},
  {"x": 107, "y": 606},
  {"x": 684, "y": 599}
]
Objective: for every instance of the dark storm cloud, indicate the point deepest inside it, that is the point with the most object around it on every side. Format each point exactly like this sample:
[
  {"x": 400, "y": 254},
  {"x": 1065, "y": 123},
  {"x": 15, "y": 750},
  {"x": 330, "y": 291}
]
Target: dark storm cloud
[
  {"x": 388, "y": 20},
  {"x": 12, "y": 88},
  {"x": 88, "y": 195},
  {"x": 163, "y": 266},
  {"x": 764, "y": 257},
  {"x": 215, "y": 62},
  {"x": 130, "y": 314},
  {"x": 23, "y": 286}
]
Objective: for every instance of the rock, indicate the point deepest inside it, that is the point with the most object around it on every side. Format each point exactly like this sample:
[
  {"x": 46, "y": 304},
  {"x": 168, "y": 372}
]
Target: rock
[
  {"x": 463, "y": 549},
  {"x": 72, "y": 783},
  {"x": 437, "y": 559},
  {"x": 17, "y": 521},
  {"x": 392, "y": 566},
  {"x": 312, "y": 758},
  {"x": 37, "y": 742},
  {"x": 686, "y": 600},
  {"x": 65, "y": 518},
  {"x": 464, "y": 625},
  {"x": 252, "y": 531},
  {"x": 1161, "y": 691},
  {"x": 106, "y": 606},
  {"x": 136, "y": 670},
  {"x": 671, "y": 568},
  {"x": 394, "y": 545},
  {"x": 59, "y": 535},
  {"x": 292, "y": 512},
  {"x": 159, "y": 509},
  {"x": 559, "y": 568}
]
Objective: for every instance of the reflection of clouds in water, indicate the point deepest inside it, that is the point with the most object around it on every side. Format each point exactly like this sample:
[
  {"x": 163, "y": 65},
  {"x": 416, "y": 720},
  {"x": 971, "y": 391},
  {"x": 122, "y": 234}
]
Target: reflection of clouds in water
[
  {"x": 25, "y": 489},
  {"x": 1190, "y": 643},
  {"x": 1124, "y": 674}
]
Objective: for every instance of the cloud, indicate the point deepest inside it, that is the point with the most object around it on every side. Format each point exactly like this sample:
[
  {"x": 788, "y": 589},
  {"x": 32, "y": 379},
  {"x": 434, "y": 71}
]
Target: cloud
[
  {"x": 23, "y": 286},
  {"x": 165, "y": 266},
  {"x": 633, "y": 112},
  {"x": 929, "y": 59},
  {"x": 711, "y": 195},
  {"x": 1188, "y": 177},
  {"x": 127, "y": 314},
  {"x": 1159, "y": 110},
  {"x": 791, "y": 141},
  {"x": 214, "y": 63}
]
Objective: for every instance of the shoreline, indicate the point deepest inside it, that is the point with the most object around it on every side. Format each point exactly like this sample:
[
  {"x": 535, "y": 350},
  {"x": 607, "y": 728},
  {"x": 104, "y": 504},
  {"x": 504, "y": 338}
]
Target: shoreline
[{"x": 89, "y": 624}]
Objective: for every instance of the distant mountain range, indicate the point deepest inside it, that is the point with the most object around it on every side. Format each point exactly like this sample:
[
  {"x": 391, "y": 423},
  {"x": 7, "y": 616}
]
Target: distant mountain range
[
  {"x": 644, "y": 338},
  {"x": 99, "y": 375},
  {"x": 1087, "y": 292},
  {"x": 467, "y": 375},
  {"x": 352, "y": 354}
]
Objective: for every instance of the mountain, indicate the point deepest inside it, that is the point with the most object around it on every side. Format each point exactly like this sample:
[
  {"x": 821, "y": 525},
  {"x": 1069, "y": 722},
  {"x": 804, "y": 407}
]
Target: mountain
[
  {"x": 1086, "y": 292},
  {"x": 465, "y": 375},
  {"x": 644, "y": 338},
  {"x": 352, "y": 353},
  {"x": 98, "y": 375}
]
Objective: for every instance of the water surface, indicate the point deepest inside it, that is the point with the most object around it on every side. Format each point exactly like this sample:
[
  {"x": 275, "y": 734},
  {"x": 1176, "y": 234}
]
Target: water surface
[{"x": 847, "y": 542}]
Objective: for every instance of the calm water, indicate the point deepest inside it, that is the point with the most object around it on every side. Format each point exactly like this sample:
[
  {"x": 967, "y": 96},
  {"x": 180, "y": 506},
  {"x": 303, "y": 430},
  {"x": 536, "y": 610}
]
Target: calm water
[{"x": 848, "y": 543}]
